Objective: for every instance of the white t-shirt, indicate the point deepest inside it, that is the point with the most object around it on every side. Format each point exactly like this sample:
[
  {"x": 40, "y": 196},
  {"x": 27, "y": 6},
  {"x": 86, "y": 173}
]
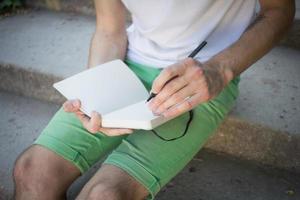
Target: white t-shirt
[{"x": 165, "y": 31}]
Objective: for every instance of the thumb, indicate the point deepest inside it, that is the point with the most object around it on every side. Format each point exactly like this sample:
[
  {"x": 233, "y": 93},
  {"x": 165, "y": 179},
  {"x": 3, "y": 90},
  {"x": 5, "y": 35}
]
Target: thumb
[{"x": 72, "y": 105}]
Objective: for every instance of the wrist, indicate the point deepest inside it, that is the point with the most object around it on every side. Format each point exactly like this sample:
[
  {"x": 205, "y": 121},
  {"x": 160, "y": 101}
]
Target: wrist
[{"x": 225, "y": 71}]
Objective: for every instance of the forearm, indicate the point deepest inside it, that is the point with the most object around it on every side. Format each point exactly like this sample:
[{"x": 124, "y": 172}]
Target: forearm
[
  {"x": 257, "y": 40},
  {"x": 109, "y": 41},
  {"x": 105, "y": 47}
]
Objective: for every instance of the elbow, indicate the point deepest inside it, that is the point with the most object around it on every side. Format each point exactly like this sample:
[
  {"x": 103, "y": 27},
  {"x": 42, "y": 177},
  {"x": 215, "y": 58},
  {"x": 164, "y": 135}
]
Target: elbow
[
  {"x": 282, "y": 14},
  {"x": 289, "y": 13}
]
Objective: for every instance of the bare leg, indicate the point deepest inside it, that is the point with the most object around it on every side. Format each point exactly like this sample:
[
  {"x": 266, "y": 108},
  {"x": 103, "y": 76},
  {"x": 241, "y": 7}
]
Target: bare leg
[
  {"x": 41, "y": 174},
  {"x": 112, "y": 183}
]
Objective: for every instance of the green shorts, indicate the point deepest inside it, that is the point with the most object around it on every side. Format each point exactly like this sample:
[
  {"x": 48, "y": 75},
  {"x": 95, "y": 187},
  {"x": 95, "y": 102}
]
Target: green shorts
[{"x": 150, "y": 160}]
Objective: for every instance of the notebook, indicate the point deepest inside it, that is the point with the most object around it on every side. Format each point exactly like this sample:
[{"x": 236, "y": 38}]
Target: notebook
[{"x": 115, "y": 92}]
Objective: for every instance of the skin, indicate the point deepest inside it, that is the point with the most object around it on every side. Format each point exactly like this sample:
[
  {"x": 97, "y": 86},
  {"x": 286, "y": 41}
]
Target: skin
[
  {"x": 196, "y": 82},
  {"x": 109, "y": 42},
  {"x": 201, "y": 82},
  {"x": 38, "y": 167}
]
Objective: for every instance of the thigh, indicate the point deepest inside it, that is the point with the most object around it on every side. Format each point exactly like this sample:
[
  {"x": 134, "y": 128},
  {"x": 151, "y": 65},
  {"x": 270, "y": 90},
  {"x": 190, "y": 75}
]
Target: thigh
[
  {"x": 66, "y": 136},
  {"x": 154, "y": 162}
]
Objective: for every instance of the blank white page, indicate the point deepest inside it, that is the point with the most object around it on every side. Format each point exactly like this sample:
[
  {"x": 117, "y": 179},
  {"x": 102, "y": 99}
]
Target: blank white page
[
  {"x": 104, "y": 88},
  {"x": 136, "y": 116}
]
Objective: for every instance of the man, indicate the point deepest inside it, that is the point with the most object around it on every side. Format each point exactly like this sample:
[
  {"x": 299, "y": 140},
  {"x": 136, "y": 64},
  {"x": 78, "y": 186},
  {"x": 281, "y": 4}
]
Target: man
[{"x": 155, "y": 47}]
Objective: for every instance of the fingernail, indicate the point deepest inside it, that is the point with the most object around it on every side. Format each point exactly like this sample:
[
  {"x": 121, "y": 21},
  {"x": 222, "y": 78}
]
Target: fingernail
[
  {"x": 150, "y": 104},
  {"x": 94, "y": 113},
  {"x": 156, "y": 112},
  {"x": 75, "y": 103},
  {"x": 159, "y": 111}
]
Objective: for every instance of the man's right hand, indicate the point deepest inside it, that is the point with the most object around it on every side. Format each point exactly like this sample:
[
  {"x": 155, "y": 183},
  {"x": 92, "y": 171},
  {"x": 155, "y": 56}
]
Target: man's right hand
[{"x": 93, "y": 123}]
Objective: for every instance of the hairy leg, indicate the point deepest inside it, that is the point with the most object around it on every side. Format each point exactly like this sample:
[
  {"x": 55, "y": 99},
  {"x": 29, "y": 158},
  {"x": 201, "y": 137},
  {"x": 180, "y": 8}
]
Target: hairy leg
[
  {"x": 112, "y": 183},
  {"x": 41, "y": 174}
]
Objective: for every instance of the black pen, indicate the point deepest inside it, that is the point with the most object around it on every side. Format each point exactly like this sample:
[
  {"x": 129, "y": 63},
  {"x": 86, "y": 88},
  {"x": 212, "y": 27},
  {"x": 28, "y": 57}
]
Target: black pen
[{"x": 192, "y": 55}]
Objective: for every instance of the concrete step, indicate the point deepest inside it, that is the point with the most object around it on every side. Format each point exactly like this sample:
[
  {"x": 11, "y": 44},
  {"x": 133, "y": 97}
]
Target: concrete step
[
  {"x": 210, "y": 176},
  {"x": 21, "y": 121},
  {"x": 41, "y": 47}
]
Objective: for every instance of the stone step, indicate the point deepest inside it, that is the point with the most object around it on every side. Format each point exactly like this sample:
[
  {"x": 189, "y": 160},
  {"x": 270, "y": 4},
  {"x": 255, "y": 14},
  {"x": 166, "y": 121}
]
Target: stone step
[
  {"x": 209, "y": 176},
  {"x": 41, "y": 47}
]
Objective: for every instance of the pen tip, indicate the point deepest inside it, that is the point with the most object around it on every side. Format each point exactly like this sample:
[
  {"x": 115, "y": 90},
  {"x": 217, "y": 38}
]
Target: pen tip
[{"x": 152, "y": 95}]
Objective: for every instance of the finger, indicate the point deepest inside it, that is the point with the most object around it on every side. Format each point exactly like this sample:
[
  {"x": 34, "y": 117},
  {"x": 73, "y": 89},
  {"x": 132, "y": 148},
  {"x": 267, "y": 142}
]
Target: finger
[
  {"x": 90, "y": 123},
  {"x": 168, "y": 90},
  {"x": 79, "y": 112},
  {"x": 165, "y": 75},
  {"x": 83, "y": 118},
  {"x": 184, "y": 106},
  {"x": 115, "y": 131},
  {"x": 176, "y": 98},
  {"x": 94, "y": 123},
  {"x": 71, "y": 105}
]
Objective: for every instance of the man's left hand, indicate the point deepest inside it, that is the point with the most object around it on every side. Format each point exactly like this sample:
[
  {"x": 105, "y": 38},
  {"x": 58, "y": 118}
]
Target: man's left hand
[{"x": 184, "y": 85}]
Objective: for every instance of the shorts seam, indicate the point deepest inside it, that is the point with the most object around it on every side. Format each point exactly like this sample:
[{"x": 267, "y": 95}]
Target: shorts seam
[
  {"x": 136, "y": 170},
  {"x": 64, "y": 151}
]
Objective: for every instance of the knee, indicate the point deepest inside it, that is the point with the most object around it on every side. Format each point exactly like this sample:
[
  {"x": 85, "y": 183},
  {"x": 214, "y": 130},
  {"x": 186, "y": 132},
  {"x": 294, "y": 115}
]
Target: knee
[
  {"x": 103, "y": 191},
  {"x": 23, "y": 165},
  {"x": 27, "y": 172}
]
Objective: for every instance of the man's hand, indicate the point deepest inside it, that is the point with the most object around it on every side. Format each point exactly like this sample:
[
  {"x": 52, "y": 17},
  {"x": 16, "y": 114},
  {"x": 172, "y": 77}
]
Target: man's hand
[
  {"x": 93, "y": 123},
  {"x": 193, "y": 83},
  {"x": 184, "y": 85}
]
